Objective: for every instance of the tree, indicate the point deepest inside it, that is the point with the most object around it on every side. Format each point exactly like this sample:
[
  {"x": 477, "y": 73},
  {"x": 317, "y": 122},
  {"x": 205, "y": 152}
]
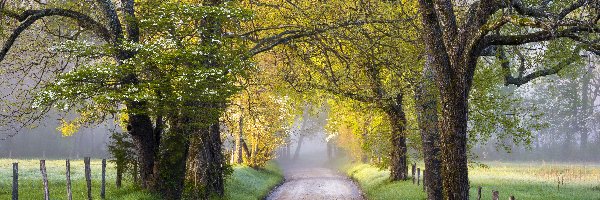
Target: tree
[
  {"x": 363, "y": 71},
  {"x": 140, "y": 127},
  {"x": 566, "y": 100},
  {"x": 260, "y": 116},
  {"x": 176, "y": 70},
  {"x": 456, "y": 45}
]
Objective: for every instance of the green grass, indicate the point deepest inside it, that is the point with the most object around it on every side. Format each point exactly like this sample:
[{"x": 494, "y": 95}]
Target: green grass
[
  {"x": 245, "y": 182},
  {"x": 375, "y": 183},
  {"x": 537, "y": 180},
  {"x": 248, "y": 183},
  {"x": 523, "y": 180},
  {"x": 31, "y": 186}
]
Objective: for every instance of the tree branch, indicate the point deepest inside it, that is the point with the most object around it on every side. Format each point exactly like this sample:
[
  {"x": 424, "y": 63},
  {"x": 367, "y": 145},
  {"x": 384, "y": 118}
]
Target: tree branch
[
  {"x": 133, "y": 30},
  {"x": 434, "y": 42},
  {"x": 520, "y": 79},
  {"x": 27, "y": 18},
  {"x": 539, "y": 36},
  {"x": 448, "y": 22},
  {"x": 114, "y": 23},
  {"x": 287, "y": 36},
  {"x": 346, "y": 94}
]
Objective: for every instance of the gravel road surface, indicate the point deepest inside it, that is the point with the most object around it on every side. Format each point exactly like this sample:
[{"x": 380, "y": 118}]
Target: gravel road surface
[{"x": 315, "y": 183}]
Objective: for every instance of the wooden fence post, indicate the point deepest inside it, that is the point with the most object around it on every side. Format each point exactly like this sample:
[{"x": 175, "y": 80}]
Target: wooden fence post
[
  {"x": 119, "y": 176},
  {"x": 88, "y": 177},
  {"x": 68, "y": 174},
  {"x": 103, "y": 187},
  {"x": 479, "y": 193},
  {"x": 45, "y": 179},
  {"x": 413, "y": 172},
  {"x": 15, "y": 183},
  {"x": 418, "y": 176},
  {"x": 424, "y": 188},
  {"x": 495, "y": 195}
]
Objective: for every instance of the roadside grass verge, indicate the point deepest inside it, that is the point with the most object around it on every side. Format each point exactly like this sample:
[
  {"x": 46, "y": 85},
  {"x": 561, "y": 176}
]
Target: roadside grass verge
[
  {"x": 244, "y": 183},
  {"x": 527, "y": 181},
  {"x": 247, "y": 183},
  {"x": 375, "y": 183}
]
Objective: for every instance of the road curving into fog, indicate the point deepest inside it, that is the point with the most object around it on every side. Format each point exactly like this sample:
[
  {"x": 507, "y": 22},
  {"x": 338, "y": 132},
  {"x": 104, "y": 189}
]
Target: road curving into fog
[{"x": 315, "y": 183}]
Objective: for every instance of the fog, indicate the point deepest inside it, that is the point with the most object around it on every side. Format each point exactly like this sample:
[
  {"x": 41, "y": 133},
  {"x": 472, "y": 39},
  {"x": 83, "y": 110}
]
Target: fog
[
  {"x": 45, "y": 141},
  {"x": 308, "y": 141}
]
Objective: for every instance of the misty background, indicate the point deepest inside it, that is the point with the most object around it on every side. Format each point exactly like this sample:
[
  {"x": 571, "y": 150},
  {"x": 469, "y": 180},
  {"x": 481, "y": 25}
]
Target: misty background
[{"x": 45, "y": 141}]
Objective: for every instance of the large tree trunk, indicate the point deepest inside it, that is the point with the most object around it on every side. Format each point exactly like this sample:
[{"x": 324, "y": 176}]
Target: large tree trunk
[
  {"x": 206, "y": 163},
  {"x": 141, "y": 130},
  {"x": 398, "y": 165},
  {"x": 172, "y": 166},
  {"x": 453, "y": 75},
  {"x": 453, "y": 143},
  {"x": 426, "y": 106},
  {"x": 215, "y": 160}
]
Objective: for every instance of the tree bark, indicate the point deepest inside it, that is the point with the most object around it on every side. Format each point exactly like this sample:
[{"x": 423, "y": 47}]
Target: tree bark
[
  {"x": 453, "y": 143},
  {"x": 215, "y": 162},
  {"x": 141, "y": 131},
  {"x": 426, "y": 106},
  {"x": 245, "y": 149},
  {"x": 453, "y": 75},
  {"x": 206, "y": 163},
  {"x": 119, "y": 178},
  {"x": 171, "y": 169},
  {"x": 398, "y": 165}
]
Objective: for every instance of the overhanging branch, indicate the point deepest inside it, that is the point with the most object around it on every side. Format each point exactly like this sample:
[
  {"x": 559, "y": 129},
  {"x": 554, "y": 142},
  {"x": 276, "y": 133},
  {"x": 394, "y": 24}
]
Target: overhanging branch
[
  {"x": 288, "y": 36},
  {"x": 539, "y": 36},
  {"x": 523, "y": 79},
  {"x": 27, "y": 18}
]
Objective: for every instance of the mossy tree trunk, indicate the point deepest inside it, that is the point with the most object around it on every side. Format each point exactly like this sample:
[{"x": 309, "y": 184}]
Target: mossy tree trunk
[{"x": 398, "y": 163}]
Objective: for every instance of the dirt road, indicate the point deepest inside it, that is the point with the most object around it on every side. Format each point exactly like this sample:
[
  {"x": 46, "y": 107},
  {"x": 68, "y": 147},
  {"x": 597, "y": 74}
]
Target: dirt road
[{"x": 315, "y": 183}]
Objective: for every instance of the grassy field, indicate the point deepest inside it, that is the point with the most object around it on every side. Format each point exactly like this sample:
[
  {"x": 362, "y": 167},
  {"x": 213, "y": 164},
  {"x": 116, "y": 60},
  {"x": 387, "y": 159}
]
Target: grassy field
[
  {"x": 31, "y": 186},
  {"x": 523, "y": 180},
  {"x": 245, "y": 182}
]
